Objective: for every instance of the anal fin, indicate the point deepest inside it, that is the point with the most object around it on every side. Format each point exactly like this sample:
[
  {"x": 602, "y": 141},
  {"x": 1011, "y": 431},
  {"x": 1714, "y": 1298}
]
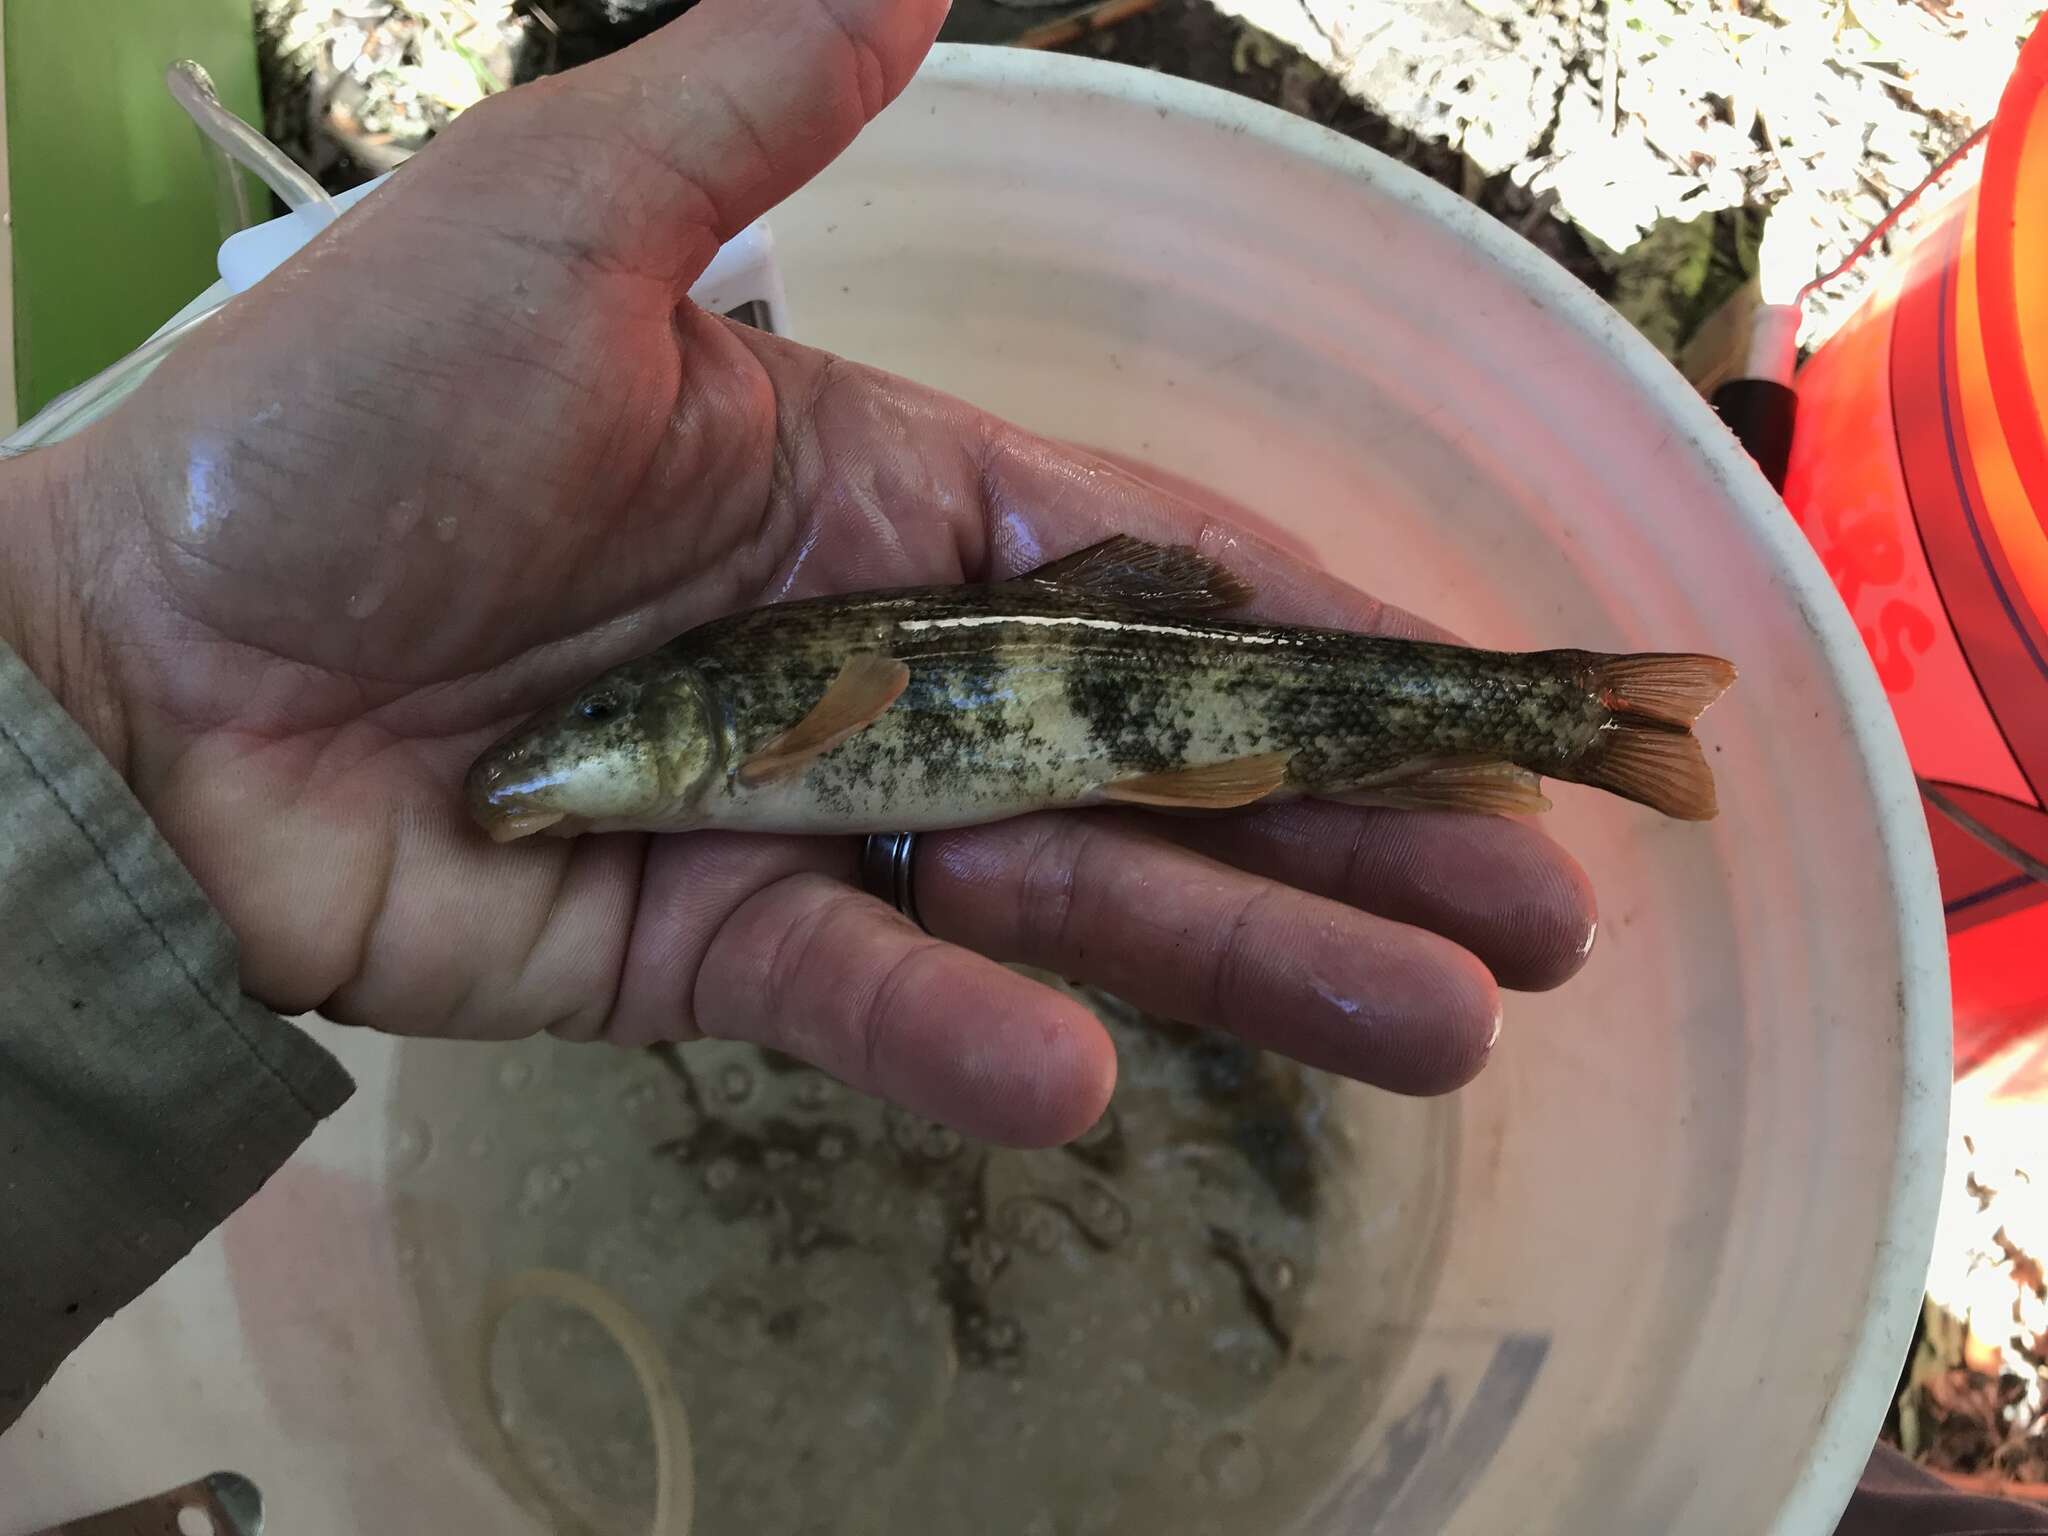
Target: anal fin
[
  {"x": 1212, "y": 787},
  {"x": 1482, "y": 788},
  {"x": 865, "y": 687}
]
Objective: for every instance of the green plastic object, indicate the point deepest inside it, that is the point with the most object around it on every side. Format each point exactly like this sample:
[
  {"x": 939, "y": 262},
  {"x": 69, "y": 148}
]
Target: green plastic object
[{"x": 117, "y": 207}]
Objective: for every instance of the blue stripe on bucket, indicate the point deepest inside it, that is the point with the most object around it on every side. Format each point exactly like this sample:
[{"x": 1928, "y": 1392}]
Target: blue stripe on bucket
[{"x": 1989, "y": 893}]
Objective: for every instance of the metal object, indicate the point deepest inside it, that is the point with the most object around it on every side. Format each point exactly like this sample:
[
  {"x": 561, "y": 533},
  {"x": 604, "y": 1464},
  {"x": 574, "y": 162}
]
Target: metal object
[
  {"x": 223, "y": 1504},
  {"x": 885, "y": 867}
]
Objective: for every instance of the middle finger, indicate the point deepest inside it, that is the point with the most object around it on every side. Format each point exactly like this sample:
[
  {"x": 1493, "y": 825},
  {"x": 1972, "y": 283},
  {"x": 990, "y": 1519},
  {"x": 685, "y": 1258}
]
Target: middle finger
[{"x": 1100, "y": 899}]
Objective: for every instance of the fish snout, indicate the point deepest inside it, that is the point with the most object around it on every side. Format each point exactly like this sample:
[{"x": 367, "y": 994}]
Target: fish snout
[{"x": 500, "y": 796}]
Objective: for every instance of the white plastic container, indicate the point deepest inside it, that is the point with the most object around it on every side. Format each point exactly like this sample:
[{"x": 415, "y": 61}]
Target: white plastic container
[{"x": 1692, "y": 1198}]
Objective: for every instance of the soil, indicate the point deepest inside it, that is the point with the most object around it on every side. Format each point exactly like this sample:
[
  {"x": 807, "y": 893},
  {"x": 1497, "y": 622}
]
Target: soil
[{"x": 1195, "y": 41}]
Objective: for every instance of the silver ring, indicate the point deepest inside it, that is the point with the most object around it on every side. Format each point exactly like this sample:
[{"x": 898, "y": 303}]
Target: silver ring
[{"x": 885, "y": 870}]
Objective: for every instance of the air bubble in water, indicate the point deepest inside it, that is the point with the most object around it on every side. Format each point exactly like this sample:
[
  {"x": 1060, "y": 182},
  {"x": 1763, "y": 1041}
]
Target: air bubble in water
[
  {"x": 1231, "y": 1465},
  {"x": 816, "y": 1091},
  {"x": 1031, "y": 1223},
  {"x": 1106, "y": 1218},
  {"x": 638, "y": 1096},
  {"x": 544, "y": 1185}
]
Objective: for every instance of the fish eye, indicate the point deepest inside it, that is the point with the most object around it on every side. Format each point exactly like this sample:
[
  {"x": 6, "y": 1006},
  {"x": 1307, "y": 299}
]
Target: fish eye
[{"x": 598, "y": 707}]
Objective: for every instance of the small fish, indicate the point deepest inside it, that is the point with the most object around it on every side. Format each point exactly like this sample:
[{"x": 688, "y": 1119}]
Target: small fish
[{"x": 1102, "y": 678}]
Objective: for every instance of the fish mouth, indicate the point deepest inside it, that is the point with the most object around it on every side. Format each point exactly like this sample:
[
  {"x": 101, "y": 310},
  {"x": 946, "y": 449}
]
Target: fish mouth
[
  {"x": 510, "y": 826},
  {"x": 503, "y": 803}
]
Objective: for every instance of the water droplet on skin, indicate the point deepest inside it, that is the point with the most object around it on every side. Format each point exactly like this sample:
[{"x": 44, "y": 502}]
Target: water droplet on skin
[
  {"x": 1231, "y": 1466},
  {"x": 404, "y": 516},
  {"x": 445, "y": 527},
  {"x": 735, "y": 1084},
  {"x": 720, "y": 1173},
  {"x": 411, "y": 1143},
  {"x": 515, "y": 1075},
  {"x": 1278, "y": 1273}
]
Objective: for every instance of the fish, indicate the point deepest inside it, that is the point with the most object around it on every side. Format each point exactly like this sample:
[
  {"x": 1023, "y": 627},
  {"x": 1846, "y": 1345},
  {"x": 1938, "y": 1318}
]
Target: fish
[{"x": 1107, "y": 677}]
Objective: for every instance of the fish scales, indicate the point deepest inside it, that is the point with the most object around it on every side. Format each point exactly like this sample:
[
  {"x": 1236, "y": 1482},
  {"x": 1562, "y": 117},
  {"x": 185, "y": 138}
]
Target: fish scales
[{"x": 1016, "y": 702}]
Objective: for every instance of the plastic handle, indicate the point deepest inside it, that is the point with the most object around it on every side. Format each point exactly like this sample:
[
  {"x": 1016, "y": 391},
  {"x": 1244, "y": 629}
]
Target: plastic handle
[{"x": 743, "y": 278}]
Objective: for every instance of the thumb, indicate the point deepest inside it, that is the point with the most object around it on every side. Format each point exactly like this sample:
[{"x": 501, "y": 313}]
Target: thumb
[{"x": 665, "y": 150}]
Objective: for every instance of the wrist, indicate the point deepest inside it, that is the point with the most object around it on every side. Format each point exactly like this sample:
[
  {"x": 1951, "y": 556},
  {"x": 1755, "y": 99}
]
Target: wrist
[{"x": 50, "y": 605}]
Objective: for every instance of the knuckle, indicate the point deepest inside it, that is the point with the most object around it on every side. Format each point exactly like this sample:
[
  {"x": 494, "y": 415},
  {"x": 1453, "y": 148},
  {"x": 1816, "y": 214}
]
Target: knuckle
[
  {"x": 879, "y": 1013},
  {"x": 1229, "y": 953},
  {"x": 1049, "y": 884}
]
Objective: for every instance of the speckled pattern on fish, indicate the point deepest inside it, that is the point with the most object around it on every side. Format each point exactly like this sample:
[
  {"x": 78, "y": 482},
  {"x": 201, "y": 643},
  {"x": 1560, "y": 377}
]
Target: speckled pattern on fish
[{"x": 1036, "y": 693}]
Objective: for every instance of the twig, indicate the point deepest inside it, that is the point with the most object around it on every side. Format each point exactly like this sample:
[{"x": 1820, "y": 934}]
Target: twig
[
  {"x": 1997, "y": 1487},
  {"x": 1057, "y": 34},
  {"x": 1883, "y": 226},
  {"x": 1610, "y": 76}
]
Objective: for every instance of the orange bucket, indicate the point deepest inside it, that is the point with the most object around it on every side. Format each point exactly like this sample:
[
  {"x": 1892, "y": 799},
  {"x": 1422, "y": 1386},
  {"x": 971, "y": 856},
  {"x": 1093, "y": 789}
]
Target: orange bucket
[{"x": 1919, "y": 471}]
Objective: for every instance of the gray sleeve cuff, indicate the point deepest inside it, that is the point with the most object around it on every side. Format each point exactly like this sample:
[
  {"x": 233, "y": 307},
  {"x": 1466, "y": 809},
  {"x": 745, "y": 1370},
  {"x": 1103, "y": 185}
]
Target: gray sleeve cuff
[{"x": 142, "y": 1096}]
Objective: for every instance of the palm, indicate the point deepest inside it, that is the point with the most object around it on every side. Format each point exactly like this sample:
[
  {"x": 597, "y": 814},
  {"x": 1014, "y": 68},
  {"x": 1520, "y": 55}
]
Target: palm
[{"x": 406, "y": 512}]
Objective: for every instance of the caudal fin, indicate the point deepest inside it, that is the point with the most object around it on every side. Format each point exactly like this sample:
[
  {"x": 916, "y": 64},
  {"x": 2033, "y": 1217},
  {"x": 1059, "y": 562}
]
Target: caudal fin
[
  {"x": 1675, "y": 690},
  {"x": 1653, "y": 764}
]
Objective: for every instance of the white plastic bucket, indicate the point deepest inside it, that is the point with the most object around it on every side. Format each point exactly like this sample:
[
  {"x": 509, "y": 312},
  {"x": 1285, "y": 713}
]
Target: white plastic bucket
[{"x": 1685, "y": 1213}]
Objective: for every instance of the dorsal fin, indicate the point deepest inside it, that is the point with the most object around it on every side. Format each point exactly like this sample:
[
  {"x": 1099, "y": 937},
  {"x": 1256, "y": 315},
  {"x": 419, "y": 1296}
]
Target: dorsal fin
[{"x": 1169, "y": 577}]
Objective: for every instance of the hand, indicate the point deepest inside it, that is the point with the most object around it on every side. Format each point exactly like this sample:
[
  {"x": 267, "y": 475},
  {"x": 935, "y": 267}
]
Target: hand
[{"x": 473, "y": 446}]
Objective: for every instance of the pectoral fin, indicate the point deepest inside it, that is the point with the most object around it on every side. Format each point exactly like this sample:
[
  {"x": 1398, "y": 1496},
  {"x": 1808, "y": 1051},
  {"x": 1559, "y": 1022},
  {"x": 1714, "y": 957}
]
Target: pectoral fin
[
  {"x": 1484, "y": 788},
  {"x": 1211, "y": 787},
  {"x": 865, "y": 687}
]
